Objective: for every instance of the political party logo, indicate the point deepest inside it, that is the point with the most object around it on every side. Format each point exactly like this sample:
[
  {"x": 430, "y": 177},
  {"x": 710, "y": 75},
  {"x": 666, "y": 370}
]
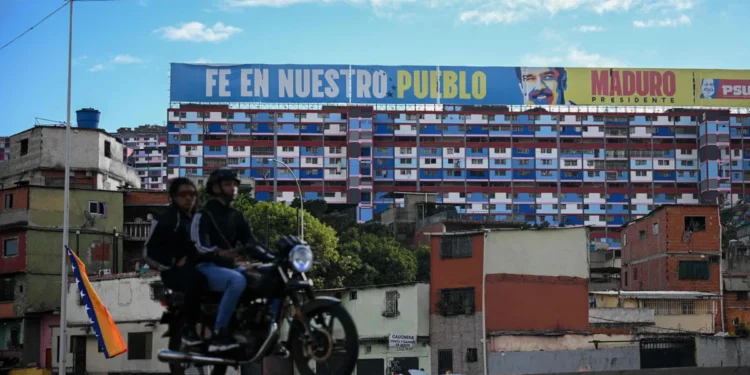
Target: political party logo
[{"x": 725, "y": 88}]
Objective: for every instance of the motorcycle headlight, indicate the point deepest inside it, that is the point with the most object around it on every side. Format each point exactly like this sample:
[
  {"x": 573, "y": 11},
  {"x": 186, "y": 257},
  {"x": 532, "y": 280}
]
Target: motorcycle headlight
[{"x": 301, "y": 257}]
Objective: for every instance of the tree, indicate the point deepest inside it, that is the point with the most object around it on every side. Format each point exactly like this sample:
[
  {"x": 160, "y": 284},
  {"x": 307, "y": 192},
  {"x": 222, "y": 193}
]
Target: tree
[
  {"x": 422, "y": 254},
  {"x": 282, "y": 220}
]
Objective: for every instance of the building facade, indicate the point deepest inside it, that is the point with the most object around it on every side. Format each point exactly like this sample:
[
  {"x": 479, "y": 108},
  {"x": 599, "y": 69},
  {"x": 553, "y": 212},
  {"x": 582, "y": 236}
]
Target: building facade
[
  {"x": 146, "y": 152},
  {"x": 594, "y": 169},
  {"x": 30, "y": 241},
  {"x": 96, "y": 160},
  {"x": 495, "y": 283}
]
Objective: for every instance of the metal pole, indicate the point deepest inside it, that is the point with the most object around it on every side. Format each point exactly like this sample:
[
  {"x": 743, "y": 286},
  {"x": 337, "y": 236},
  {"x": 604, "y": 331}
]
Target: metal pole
[
  {"x": 301, "y": 209},
  {"x": 63, "y": 350}
]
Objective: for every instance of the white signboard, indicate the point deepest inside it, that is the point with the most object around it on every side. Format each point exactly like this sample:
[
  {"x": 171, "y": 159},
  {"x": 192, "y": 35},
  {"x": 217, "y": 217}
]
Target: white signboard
[{"x": 402, "y": 342}]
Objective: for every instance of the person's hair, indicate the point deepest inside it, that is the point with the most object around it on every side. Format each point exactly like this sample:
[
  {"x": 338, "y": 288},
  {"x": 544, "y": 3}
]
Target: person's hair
[{"x": 175, "y": 184}]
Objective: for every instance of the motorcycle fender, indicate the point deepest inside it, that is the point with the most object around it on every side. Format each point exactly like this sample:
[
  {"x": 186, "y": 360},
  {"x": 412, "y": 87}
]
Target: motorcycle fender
[{"x": 320, "y": 302}]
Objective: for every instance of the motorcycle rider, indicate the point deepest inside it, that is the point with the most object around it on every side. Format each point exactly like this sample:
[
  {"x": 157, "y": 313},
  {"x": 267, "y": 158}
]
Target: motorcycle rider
[
  {"x": 219, "y": 231},
  {"x": 169, "y": 249}
]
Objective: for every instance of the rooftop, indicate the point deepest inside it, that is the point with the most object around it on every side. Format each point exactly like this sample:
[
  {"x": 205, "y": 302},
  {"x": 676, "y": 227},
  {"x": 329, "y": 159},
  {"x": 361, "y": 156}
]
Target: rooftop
[
  {"x": 73, "y": 129},
  {"x": 665, "y": 206}
]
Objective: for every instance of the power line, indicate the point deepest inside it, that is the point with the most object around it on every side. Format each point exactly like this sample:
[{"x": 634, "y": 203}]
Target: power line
[{"x": 32, "y": 27}]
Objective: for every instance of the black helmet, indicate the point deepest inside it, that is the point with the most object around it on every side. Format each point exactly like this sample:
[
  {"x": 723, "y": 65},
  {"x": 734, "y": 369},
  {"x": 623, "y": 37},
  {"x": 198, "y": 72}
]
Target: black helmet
[{"x": 218, "y": 176}]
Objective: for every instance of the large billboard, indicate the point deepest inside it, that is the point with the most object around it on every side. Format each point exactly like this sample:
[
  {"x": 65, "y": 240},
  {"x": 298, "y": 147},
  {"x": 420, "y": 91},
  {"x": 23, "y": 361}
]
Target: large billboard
[{"x": 372, "y": 84}]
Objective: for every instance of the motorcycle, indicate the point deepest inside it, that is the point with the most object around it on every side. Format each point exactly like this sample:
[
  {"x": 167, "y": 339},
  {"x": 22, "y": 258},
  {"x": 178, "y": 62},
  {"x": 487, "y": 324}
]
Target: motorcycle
[{"x": 285, "y": 294}]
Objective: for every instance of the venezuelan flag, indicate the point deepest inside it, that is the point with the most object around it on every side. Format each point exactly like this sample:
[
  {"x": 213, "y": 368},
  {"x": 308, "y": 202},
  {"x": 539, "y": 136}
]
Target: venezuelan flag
[{"x": 105, "y": 328}]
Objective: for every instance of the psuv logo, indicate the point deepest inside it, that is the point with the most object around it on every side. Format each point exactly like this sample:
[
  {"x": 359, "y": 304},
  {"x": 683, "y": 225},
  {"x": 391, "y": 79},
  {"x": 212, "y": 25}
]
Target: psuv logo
[{"x": 733, "y": 89}]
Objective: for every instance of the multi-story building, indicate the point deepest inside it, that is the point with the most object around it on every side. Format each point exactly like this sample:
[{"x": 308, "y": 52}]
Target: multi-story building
[
  {"x": 146, "y": 152},
  {"x": 31, "y": 245},
  {"x": 37, "y": 158},
  {"x": 596, "y": 169},
  {"x": 487, "y": 285},
  {"x": 675, "y": 248}
]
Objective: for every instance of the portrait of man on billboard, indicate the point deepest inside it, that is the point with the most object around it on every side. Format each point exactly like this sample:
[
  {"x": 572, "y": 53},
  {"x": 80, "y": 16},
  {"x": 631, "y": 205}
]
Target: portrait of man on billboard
[
  {"x": 543, "y": 86},
  {"x": 708, "y": 88}
]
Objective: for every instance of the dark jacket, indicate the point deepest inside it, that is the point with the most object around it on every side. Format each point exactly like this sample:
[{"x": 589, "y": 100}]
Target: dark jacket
[
  {"x": 169, "y": 240},
  {"x": 218, "y": 226}
]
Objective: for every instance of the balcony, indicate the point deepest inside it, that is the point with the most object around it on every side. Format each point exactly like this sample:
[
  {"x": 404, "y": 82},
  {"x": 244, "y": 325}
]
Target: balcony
[
  {"x": 137, "y": 231},
  {"x": 14, "y": 217}
]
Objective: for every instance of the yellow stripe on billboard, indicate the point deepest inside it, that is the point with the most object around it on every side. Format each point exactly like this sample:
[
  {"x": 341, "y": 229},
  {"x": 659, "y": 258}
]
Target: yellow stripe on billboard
[
  {"x": 722, "y": 88},
  {"x": 630, "y": 87}
]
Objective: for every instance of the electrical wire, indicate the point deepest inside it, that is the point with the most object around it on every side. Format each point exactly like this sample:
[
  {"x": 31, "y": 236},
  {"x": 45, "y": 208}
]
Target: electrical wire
[{"x": 37, "y": 24}]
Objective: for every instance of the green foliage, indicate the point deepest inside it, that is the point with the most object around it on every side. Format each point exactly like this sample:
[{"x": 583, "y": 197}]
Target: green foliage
[
  {"x": 742, "y": 331},
  {"x": 347, "y": 253}
]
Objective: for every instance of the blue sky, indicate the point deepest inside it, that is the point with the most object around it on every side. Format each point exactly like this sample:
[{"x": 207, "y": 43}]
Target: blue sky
[{"x": 122, "y": 48}]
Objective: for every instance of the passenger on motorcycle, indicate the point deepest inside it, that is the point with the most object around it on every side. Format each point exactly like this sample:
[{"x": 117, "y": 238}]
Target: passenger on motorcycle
[
  {"x": 219, "y": 231},
  {"x": 170, "y": 250}
]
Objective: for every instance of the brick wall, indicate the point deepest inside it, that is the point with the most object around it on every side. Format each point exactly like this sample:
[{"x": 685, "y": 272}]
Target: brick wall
[
  {"x": 735, "y": 308},
  {"x": 145, "y": 198}
]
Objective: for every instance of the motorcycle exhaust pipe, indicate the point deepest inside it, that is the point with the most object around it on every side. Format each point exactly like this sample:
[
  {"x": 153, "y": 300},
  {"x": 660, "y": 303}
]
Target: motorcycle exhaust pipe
[{"x": 174, "y": 356}]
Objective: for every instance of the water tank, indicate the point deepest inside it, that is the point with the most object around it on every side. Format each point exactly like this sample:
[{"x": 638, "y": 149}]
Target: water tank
[{"x": 88, "y": 118}]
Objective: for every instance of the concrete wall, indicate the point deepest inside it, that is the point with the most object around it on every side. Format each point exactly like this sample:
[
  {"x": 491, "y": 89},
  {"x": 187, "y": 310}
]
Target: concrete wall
[
  {"x": 498, "y": 344},
  {"x": 457, "y": 333},
  {"x": 722, "y": 352},
  {"x": 549, "y": 362},
  {"x": 548, "y": 252},
  {"x": 675, "y": 371}
]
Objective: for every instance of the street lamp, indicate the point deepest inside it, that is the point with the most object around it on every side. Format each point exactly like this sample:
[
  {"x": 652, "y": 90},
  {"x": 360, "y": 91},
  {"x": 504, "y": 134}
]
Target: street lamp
[{"x": 301, "y": 210}]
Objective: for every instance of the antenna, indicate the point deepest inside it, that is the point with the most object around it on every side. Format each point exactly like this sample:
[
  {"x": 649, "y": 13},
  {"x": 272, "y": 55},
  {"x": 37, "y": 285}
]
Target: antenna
[{"x": 90, "y": 219}]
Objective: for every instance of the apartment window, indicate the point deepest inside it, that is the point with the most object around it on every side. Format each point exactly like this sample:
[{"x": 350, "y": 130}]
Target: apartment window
[
  {"x": 139, "y": 345},
  {"x": 695, "y": 223},
  {"x": 642, "y": 234},
  {"x": 7, "y": 289},
  {"x": 405, "y": 161},
  {"x": 8, "y": 201},
  {"x": 571, "y": 163},
  {"x": 641, "y": 173},
  {"x": 214, "y": 148},
  {"x": 546, "y": 162},
  {"x": 191, "y": 160},
  {"x": 227, "y": 115},
  {"x": 24, "y": 146},
  {"x": 523, "y": 162},
  {"x": 98, "y": 208},
  {"x": 238, "y": 148},
  {"x": 406, "y": 150},
  {"x": 694, "y": 270},
  {"x": 500, "y": 150},
  {"x": 656, "y": 228},
  {"x": 311, "y": 160},
  {"x": 640, "y": 162},
  {"x": 452, "y": 247},
  {"x": 107, "y": 149},
  {"x": 430, "y": 161},
  {"x": 10, "y": 247}
]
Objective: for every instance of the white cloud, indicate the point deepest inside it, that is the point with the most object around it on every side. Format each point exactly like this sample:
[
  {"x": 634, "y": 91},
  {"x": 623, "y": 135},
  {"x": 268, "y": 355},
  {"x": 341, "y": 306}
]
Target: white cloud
[
  {"x": 126, "y": 59},
  {"x": 198, "y": 32},
  {"x": 588, "y": 29},
  {"x": 78, "y": 60},
  {"x": 575, "y": 57},
  {"x": 682, "y": 20},
  {"x": 96, "y": 68},
  {"x": 489, "y": 11},
  {"x": 201, "y": 60}
]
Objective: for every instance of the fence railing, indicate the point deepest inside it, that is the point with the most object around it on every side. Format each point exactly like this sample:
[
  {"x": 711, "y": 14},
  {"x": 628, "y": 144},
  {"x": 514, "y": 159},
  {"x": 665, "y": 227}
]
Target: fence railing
[{"x": 137, "y": 230}]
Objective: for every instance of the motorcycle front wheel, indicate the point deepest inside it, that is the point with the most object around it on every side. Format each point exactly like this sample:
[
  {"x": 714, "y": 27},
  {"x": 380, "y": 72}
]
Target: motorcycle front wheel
[{"x": 334, "y": 349}]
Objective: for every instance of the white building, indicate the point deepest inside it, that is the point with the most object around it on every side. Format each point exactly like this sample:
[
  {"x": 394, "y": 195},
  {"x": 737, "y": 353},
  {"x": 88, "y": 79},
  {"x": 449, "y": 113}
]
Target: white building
[
  {"x": 37, "y": 157},
  {"x": 379, "y": 312}
]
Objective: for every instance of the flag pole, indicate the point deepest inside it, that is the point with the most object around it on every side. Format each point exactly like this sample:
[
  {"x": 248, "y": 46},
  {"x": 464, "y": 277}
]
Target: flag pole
[{"x": 62, "y": 349}]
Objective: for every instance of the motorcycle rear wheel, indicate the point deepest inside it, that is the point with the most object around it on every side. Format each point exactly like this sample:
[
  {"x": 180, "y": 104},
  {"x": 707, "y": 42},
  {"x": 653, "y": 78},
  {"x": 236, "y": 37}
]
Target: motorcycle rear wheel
[
  {"x": 175, "y": 343},
  {"x": 350, "y": 345}
]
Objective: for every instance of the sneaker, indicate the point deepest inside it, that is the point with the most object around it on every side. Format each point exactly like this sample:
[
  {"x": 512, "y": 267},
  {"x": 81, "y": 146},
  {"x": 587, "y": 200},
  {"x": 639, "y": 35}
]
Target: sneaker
[
  {"x": 190, "y": 337},
  {"x": 222, "y": 342}
]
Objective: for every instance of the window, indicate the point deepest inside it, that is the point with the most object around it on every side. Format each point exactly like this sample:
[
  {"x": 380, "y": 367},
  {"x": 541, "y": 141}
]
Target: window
[
  {"x": 24, "y": 146},
  {"x": 471, "y": 355},
  {"x": 693, "y": 270},
  {"x": 7, "y": 289},
  {"x": 107, "y": 149},
  {"x": 8, "y": 201},
  {"x": 445, "y": 361},
  {"x": 391, "y": 303},
  {"x": 695, "y": 224},
  {"x": 741, "y": 296},
  {"x": 656, "y": 227},
  {"x": 191, "y": 160},
  {"x": 139, "y": 345},
  {"x": 97, "y": 208},
  {"x": 353, "y": 295},
  {"x": 642, "y": 234},
  {"x": 456, "y": 301},
  {"x": 238, "y": 148}
]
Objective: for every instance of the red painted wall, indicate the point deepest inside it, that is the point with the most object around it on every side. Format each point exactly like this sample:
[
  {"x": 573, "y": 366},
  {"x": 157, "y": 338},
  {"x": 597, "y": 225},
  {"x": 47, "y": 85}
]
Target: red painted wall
[
  {"x": 456, "y": 273},
  {"x": 15, "y": 263},
  {"x": 536, "y": 303}
]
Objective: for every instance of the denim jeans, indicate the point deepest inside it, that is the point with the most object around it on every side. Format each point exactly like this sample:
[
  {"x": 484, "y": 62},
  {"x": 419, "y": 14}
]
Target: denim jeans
[{"x": 230, "y": 282}]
